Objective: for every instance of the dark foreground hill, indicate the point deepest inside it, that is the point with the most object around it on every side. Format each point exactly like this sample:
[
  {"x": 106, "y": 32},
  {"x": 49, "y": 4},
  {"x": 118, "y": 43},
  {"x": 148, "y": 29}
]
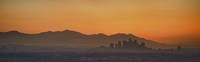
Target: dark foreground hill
[{"x": 70, "y": 38}]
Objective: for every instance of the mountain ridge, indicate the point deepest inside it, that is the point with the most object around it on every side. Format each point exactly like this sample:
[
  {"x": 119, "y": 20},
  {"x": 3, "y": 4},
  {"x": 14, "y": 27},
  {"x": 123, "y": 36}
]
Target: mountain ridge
[{"x": 71, "y": 38}]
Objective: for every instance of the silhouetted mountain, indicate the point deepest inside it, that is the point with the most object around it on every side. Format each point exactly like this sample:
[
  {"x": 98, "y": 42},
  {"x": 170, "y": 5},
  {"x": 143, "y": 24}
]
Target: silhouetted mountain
[{"x": 69, "y": 38}]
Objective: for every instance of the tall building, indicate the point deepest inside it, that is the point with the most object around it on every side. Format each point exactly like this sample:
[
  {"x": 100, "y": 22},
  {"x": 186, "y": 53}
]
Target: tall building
[
  {"x": 178, "y": 47},
  {"x": 124, "y": 44},
  {"x": 143, "y": 45},
  {"x": 119, "y": 44},
  {"x": 130, "y": 44},
  {"x": 111, "y": 45}
]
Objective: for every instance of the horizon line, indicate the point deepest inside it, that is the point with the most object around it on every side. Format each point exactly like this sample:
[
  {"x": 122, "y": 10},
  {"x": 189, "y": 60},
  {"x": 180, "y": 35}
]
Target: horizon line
[{"x": 69, "y": 30}]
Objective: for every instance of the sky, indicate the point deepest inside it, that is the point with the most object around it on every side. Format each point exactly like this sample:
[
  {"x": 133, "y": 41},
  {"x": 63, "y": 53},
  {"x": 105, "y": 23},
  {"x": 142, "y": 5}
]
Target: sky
[{"x": 164, "y": 21}]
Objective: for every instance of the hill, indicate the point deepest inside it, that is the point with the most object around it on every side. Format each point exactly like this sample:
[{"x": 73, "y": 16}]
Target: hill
[{"x": 71, "y": 39}]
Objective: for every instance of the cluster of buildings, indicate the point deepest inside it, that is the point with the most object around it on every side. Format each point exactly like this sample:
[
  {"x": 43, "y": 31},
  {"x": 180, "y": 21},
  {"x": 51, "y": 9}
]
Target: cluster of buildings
[{"x": 130, "y": 44}]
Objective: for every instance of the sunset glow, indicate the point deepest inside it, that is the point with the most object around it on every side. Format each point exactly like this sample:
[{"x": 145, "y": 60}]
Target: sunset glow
[{"x": 165, "y": 21}]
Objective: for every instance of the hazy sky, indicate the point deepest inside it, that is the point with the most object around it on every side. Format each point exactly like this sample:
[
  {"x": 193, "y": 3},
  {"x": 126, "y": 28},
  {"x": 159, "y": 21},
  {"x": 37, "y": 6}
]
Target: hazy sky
[{"x": 166, "y": 21}]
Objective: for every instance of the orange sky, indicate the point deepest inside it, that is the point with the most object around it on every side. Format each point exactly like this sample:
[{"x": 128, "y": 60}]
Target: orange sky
[{"x": 165, "y": 21}]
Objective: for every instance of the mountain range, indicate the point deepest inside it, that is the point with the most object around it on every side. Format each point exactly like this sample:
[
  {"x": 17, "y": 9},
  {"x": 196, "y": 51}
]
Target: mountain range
[{"x": 71, "y": 38}]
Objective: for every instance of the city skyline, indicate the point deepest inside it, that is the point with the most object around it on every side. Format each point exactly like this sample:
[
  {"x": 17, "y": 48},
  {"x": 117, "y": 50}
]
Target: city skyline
[{"x": 171, "y": 21}]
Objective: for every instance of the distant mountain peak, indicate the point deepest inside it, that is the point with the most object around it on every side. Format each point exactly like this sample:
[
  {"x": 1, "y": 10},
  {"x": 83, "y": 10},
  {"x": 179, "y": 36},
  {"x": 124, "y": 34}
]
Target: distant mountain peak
[
  {"x": 100, "y": 34},
  {"x": 14, "y": 32},
  {"x": 68, "y": 37},
  {"x": 70, "y": 31},
  {"x": 122, "y": 34}
]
